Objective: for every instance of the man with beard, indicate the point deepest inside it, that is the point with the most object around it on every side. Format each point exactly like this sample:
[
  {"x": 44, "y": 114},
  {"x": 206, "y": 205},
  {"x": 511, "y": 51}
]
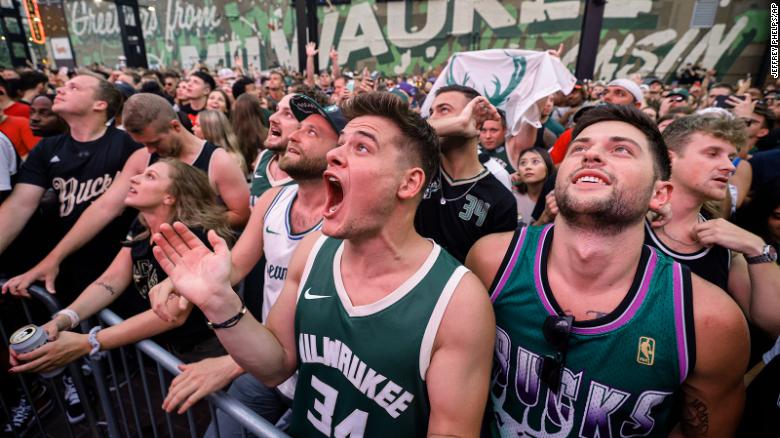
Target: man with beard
[
  {"x": 595, "y": 331},
  {"x": 722, "y": 253},
  {"x": 282, "y": 123},
  {"x": 151, "y": 121},
  {"x": 268, "y": 233},
  {"x": 464, "y": 201},
  {"x": 389, "y": 334}
]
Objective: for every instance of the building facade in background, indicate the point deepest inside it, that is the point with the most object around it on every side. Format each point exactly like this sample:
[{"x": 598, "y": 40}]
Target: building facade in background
[{"x": 395, "y": 37}]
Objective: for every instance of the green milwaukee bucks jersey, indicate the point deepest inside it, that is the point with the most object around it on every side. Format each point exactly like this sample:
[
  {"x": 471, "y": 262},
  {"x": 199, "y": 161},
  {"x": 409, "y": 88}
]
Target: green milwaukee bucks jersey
[
  {"x": 623, "y": 370},
  {"x": 361, "y": 369},
  {"x": 262, "y": 179}
]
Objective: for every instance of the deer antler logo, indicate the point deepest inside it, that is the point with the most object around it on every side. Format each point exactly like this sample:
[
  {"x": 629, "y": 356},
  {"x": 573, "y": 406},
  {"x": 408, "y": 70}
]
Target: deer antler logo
[{"x": 500, "y": 94}]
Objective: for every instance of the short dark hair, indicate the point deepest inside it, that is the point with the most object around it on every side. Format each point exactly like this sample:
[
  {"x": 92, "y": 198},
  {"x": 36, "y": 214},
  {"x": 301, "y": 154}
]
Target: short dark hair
[
  {"x": 205, "y": 77},
  {"x": 239, "y": 86},
  {"x": 30, "y": 79},
  {"x": 108, "y": 93},
  {"x": 420, "y": 141},
  {"x": 629, "y": 114},
  {"x": 469, "y": 92},
  {"x": 146, "y": 109}
]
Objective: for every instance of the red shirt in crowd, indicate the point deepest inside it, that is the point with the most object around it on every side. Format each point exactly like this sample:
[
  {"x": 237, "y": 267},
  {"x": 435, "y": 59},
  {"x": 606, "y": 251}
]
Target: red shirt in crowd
[
  {"x": 18, "y": 109},
  {"x": 560, "y": 147},
  {"x": 17, "y": 129}
]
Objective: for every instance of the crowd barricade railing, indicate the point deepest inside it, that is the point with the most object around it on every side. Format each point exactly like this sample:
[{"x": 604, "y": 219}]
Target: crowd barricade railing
[
  {"x": 129, "y": 398},
  {"x": 167, "y": 365},
  {"x": 43, "y": 423}
]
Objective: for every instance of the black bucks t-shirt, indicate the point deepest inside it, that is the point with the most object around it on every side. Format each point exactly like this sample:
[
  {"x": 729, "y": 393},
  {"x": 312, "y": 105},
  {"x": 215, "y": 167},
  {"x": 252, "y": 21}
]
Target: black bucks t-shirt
[{"x": 79, "y": 173}]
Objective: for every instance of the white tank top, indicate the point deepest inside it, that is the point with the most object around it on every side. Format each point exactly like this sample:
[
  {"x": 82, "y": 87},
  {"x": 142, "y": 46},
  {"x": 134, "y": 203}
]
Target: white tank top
[{"x": 279, "y": 243}]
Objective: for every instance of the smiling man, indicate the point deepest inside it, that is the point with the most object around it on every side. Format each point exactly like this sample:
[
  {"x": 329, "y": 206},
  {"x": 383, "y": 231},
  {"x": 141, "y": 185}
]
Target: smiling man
[
  {"x": 349, "y": 295},
  {"x": 722, "y": 253},
  {"x": 598, "y": 334}
]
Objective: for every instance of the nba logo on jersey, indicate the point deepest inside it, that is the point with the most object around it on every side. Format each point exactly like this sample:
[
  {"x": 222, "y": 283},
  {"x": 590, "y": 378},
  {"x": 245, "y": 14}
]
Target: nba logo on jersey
[{"x": 646, "y": 351}]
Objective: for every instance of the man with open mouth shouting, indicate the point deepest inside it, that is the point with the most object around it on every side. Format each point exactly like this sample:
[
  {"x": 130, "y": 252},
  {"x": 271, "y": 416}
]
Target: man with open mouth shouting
[{"x": 389, "y": 334}]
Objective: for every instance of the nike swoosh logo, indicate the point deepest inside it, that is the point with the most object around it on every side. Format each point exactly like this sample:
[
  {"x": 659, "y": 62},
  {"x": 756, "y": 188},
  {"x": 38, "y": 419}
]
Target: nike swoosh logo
[
  {"x": 270, "y": 231},
  {"x": 311, "y": 296}
]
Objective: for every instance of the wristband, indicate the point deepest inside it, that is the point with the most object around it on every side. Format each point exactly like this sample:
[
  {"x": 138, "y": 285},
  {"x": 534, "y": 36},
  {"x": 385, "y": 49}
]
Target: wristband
[
  {"x": 72, "y": 316},
  {"x": 230, "y": 322},
  {"x": 94, "y": 343}
]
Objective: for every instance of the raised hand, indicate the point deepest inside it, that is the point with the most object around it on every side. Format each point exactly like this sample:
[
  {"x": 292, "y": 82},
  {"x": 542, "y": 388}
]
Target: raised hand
[
  {"x": 333, "y": 54},
  {"x": 197, "y": 273},
  {"x": 477, "y": 112},
  {"x": 556, "y": 53},
  {"x": 311, "y": 49},
  {"x": 742, "y": 108}
]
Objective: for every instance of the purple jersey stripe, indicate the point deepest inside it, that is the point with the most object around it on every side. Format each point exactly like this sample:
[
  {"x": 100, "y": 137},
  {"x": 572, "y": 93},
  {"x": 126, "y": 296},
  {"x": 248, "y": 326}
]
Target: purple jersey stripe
[
  {"x": 510, "y": 266},
  {"x": 679, "y": 322},
  {"x": 538, "y": 271}
]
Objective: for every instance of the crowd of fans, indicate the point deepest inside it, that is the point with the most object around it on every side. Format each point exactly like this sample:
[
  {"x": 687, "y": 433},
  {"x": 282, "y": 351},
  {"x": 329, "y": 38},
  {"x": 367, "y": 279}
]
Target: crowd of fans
[{"x": 97, "y": 164}]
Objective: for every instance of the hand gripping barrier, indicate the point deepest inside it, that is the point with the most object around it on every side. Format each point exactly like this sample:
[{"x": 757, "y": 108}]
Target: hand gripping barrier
[{"x": 122, "y": 394}]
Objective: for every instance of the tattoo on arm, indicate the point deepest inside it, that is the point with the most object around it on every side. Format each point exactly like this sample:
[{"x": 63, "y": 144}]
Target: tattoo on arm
[
  {"x": 107, "y": 287},
  {"x": 596, "y": 314},
  {"x": 695, "y": 419}
]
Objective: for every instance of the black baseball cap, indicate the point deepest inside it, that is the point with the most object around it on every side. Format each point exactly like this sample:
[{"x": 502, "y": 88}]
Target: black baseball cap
[
  {"x": 303, "y": 106},
  {"x": 205, "y": 77}
]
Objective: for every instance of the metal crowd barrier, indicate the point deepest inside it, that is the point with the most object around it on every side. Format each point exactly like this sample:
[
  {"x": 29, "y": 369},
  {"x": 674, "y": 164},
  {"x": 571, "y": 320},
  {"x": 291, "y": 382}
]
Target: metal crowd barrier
[
  {"x": 134, "y": 409},
  {"x": 26, "y": 382}
]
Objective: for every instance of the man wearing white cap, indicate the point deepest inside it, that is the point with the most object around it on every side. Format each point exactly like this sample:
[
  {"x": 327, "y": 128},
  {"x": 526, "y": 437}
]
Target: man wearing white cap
[{"x": 623, "y": 92}]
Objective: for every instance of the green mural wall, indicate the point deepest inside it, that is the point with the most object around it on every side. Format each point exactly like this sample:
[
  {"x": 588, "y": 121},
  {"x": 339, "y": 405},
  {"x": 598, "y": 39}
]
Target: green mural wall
[{"x": 411, "y": 36}]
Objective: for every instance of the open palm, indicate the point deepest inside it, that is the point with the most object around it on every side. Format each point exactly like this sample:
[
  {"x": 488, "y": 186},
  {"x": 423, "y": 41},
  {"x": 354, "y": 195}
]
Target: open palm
[{"x": 197, "y": 272}]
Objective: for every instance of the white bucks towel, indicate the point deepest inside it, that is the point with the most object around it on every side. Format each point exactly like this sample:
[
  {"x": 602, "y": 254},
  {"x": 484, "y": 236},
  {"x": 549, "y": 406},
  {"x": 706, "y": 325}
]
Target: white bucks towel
[{"x": 513, "y": 80}]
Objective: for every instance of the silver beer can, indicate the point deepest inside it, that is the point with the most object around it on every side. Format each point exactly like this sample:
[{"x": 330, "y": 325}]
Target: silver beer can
[{"x": 27, "y": 339}]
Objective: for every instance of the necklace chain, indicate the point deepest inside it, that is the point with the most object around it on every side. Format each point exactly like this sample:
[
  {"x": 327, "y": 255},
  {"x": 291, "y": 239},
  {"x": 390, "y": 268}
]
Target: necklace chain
[
  {"x": 700, "y": 219},
  {"x": 445, "y": 200}
]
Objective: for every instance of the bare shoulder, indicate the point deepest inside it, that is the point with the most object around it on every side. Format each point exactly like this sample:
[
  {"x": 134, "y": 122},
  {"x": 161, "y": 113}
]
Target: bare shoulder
[
  {"x": 715, "y": 313},
  {"x": 469, "y": 314},
  {"x": 301, "y": 255},
  {"x": 486, "y": 255},
  {"x": 137, "y": 162},
  {"x": 264, "y": 202}
]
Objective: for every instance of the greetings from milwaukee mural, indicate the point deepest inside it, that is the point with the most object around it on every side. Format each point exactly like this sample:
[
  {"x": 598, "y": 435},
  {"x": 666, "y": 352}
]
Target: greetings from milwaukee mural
[{"x": 404, "y": 36}]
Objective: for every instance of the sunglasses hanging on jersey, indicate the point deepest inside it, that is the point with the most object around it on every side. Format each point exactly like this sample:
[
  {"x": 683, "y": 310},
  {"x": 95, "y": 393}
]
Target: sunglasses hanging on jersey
[{"x": 556, "y": 330}]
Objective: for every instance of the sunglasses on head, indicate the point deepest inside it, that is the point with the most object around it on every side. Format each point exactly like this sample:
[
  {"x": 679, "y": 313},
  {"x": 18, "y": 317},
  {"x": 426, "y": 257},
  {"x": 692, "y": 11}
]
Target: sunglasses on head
[{"x": 556, "y": 330}]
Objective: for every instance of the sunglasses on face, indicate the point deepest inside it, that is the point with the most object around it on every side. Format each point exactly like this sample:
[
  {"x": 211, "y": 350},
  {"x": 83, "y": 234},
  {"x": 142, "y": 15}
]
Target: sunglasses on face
[{"x": 556, "y": 330}]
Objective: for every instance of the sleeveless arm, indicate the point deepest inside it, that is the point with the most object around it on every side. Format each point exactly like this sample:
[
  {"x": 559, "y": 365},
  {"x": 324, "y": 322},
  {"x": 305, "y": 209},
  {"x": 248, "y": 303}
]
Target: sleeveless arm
[
  {"x": 714, "y": 393},
  {"x": 458, "y": 377},
  {"x": 485, "y": 257},
  {"x": 249, "y": 247},
  {"x": 231, "y": 186}
]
